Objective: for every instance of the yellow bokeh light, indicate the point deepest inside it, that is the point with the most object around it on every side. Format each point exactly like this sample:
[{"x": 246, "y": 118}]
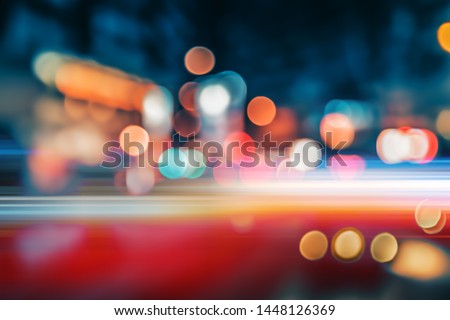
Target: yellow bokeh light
[
  {"x": 384, "y": 247},
  {"x": 427, "y": 214},
  {"x": 420, "y": 260},
  {"x": 348, "y": 244},
  {"x": 443, "y": 35},
  {"x": 438, "y": 227},
  {"x": 443, "y": 124},
  {"x": 313, "y": 245}
]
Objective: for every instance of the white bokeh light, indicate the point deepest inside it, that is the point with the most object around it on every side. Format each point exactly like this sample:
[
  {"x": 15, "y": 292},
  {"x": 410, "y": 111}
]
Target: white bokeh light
[
  {"x": 157, "y": 111},
  {"x": 393, "y": 146},
  {"x": 306, "y": 154},
  {"x": 214, "y": 100}
]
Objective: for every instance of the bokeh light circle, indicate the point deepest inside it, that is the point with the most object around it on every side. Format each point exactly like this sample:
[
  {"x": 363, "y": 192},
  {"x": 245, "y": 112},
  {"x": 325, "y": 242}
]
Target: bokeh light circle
[
  {"x": 46, "y": 65},
  {"x": 337, "y": 131},
  {"x": 427, "y": 214},
  {"x": 443, "y": 35},
  {"x": 305, "y": 155},
  {"x": 443, "y": 124},
  {"x": 348, "y": 244},
  {"x": 384, "y": 247},
  {"x": 438, "y": 227},
  {"x": 420, "y": 260},
  {"x": 186, "y": 95},
  {"x": 261, "y": 111},
  {"x": 393, "y": 146},
  {"x": 213, "y": 100},
  {"x": 313, "y": 245},
  {"x": 199, "y": 60},
  {"x": 157, "y": 111},
  {"x": 131, "y": 136},
  {"x": 196, "y": 163},
  {"x": 433, "y": 146},
  {"x": 173, "y": 163},
  {"x": 407, "y": 144}
]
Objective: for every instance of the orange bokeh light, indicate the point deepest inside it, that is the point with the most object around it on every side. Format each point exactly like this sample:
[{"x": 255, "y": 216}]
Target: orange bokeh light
[
  {"x": 443, "y": 35},
  {"x": 420, "y": 260},
  {"x": 199, "y": 60},
  {"x": 261, "y": 111},
  {"x": 337, "y": 130},
  {"x": 132, "y": 135},
  {"x": 186, "y": 95},
  {"x": 98, "y": 84}
]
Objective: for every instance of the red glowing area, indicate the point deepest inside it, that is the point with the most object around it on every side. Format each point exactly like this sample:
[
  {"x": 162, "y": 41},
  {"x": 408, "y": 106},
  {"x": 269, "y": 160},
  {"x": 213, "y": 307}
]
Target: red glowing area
[
  {"x": 419, "y": 144},
  {"x": 433, "y": 146},
  {"x": 39, "y": 244},
  {"x": 134, "y": 140},
  {"x": 261, "y": 111},
  {"x": 238, "y": 145},
  {"x": 199, "y": 60},
  {"x": 337, "y": 131}
]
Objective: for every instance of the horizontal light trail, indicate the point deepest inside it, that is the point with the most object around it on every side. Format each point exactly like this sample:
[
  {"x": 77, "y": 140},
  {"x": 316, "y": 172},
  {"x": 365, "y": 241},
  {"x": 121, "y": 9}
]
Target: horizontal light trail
[{"x": 368, "y": 197}]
